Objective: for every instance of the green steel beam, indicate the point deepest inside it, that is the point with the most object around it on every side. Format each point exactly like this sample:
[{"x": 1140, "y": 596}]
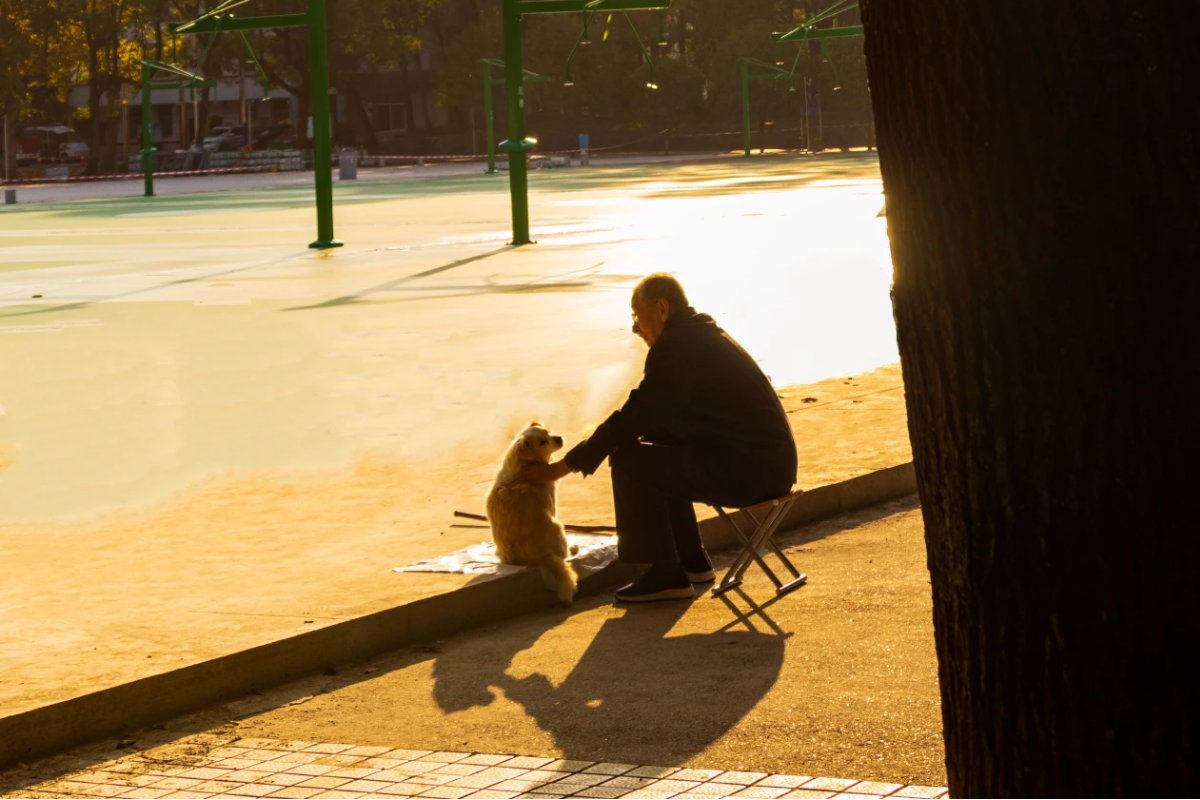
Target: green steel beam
[
  {"x": 322, "y": 123},
  {"x": 148, "y": 148},
  {"x": 516, "y": 145},
  {"x": 165, "y": 67},
  {"x": 576, "y": 6},
  {"x": 801, "y": 34},
  {"x": 154, "y": 87},
  {"x": 232, "y": 23}
]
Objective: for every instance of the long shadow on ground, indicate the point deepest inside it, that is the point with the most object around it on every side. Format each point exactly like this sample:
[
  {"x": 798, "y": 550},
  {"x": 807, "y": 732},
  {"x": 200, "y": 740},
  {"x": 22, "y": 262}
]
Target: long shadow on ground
[{"x": 634, "y": 685}]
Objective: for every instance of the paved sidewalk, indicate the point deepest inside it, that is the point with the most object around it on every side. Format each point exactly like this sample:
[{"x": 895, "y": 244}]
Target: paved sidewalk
[
  {"x": 838, "y": 678},
  {"x": 234, "y": 767}
]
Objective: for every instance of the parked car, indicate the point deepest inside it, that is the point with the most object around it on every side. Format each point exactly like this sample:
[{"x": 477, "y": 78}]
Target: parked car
[
  {"x": 225, "y": 138},
  {"x": 276, "y": 137}
]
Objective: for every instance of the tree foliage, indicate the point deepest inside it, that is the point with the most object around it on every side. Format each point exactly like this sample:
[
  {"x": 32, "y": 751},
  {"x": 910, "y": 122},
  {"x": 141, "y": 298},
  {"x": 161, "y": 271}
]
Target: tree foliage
[{"x": 50, "y": 44}]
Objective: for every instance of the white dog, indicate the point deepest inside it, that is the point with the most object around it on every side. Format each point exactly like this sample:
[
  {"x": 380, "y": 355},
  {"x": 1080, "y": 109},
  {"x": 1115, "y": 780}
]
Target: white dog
[{"x": 522, "y": 515}]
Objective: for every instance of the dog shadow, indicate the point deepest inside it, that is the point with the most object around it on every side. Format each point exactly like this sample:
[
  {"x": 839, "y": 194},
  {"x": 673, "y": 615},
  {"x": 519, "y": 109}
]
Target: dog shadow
[{"x": 635, "y": 692}]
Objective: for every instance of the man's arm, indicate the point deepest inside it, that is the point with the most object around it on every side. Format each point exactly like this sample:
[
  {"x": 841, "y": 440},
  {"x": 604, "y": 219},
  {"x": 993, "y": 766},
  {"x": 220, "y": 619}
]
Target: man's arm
[
  {"x": 543, "y": 473},
  {"x": 665, "y": 389}
]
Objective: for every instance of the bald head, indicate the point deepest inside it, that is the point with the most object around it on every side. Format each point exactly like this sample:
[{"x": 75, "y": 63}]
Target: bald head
[
  {"x": 655, "y": 299},
  {"x": 660, "y": 286}
]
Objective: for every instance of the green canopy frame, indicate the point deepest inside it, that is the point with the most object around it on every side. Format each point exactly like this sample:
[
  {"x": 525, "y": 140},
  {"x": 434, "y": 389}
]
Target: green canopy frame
[
  {"x": 807, "y": 31},
  {"x": 517, "y": 146},
  {"x": 190, "y": 81},
  {"x": 488, "y": 117},
  {"x": 220, "y": 19}
]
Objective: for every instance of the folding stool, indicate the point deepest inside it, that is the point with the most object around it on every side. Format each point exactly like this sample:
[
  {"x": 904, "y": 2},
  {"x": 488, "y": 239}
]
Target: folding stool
[{"x": 773, "y": 513}]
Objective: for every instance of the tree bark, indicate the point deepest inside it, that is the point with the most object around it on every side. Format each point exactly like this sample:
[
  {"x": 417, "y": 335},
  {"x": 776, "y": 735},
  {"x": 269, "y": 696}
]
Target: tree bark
[
  {"x": 12, "y": 113},
  {"x": 95, "y": 122},
  {"x": 1046, "y": 300}
]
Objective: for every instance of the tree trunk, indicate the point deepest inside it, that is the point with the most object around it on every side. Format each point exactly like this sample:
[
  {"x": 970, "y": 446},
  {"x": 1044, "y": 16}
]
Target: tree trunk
[
  {"x": 112, "y": 124},
  {"x": 12, "y": 113},
  {"x": 1046, "y": 299},
  {"x": 202, "y": 115},
  {"x": 95, "y": 121},
  {"x": 364, "y": 131}
]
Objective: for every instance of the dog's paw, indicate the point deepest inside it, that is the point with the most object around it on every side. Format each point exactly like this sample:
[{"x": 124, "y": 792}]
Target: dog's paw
[{"x": 574, "y": 549}]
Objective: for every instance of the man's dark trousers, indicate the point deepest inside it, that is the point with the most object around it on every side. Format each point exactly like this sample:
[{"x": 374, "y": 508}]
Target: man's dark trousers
[{"x": 655, "y": 485}]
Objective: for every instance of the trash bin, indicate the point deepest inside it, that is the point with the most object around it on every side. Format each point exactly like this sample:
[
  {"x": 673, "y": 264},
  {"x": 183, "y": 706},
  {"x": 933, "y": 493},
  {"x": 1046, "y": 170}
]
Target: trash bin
[
  {"x": 10, "y": 197},
  {"x": 348, "y": 164}
]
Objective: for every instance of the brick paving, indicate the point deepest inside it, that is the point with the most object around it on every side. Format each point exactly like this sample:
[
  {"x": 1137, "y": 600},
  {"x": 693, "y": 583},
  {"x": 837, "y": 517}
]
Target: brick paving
[{"x": 246, "y": 768}]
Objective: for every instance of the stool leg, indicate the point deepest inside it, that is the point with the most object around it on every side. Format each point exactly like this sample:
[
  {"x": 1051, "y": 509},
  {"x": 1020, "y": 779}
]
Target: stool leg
[
  {"x": 798, "y": 578},
  {"x": 756, "y": 539},
  {"x": 774, "y": 547},
  {"x": 733, "y": 575}
]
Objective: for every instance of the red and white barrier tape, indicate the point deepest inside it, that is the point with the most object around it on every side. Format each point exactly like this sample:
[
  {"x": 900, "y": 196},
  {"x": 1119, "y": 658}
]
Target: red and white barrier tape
[
  {"x": 364, "y": 156},
  {"x": 129, "y": 176},
  {"x": 418, "y": 158}
]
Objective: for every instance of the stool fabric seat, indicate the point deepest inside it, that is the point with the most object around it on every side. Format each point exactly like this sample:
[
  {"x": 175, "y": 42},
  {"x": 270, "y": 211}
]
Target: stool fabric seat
[{"x": 770, "y": 514}]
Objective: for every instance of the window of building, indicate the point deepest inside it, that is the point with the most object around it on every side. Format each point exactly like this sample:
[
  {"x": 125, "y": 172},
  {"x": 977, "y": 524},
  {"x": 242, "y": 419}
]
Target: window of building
[{"x": 389, "y": 113}]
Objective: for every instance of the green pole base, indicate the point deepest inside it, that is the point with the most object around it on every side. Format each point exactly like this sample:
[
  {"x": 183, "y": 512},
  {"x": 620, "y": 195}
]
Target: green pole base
[
  {"x": 515, "y": 243},
  {"x": 325, "y": 244}
]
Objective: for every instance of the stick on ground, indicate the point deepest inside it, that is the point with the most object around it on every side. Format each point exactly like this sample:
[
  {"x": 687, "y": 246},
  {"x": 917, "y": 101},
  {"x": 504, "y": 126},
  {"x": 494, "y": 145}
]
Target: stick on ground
[{"x": 571, "y": 528}]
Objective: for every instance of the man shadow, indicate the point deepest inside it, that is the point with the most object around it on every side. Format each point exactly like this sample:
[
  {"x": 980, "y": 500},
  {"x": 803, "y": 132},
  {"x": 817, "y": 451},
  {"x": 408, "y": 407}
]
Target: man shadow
[{"x": 637, "y": 693}]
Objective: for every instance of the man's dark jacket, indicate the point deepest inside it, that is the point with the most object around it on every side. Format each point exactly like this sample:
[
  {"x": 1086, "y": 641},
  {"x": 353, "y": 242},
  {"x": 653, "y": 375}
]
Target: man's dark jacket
[{"x": 701, "y": 391}]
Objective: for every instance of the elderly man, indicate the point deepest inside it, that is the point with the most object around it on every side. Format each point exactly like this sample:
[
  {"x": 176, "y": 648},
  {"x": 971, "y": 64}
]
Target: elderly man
[{"x": 704, "y": 425}]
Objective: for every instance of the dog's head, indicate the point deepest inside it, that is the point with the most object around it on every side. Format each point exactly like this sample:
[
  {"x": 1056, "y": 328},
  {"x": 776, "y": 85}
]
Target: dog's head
[{"x": 536, "y": 444}]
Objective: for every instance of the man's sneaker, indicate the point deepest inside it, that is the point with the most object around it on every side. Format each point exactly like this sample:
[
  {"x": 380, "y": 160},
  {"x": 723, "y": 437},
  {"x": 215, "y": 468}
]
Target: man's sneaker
[
  {"x": 699, "y": 568},
  {"x": 658, "y": 584}
]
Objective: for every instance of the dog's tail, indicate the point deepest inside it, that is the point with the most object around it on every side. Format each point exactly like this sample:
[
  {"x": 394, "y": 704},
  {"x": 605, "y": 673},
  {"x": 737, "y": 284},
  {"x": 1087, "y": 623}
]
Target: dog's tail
[{"x": 560, "y": 577}]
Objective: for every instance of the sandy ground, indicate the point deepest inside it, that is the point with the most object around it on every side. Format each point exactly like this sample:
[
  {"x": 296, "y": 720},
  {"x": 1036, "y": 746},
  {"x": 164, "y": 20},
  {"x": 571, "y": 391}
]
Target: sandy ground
[
  {"x": 217, "y": 571},
  {"x": 838, "y": 678},
  {"x": 210, "y": 434}
]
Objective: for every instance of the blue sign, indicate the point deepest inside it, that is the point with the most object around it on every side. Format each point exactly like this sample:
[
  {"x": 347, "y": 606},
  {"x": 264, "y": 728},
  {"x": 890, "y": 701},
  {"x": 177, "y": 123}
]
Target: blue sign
[{"x": 583, "y": 141}]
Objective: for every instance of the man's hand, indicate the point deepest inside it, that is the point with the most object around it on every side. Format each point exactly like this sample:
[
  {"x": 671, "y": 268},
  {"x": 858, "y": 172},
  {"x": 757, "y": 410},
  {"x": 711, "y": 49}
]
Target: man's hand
[{"x": 542, "y": 473}]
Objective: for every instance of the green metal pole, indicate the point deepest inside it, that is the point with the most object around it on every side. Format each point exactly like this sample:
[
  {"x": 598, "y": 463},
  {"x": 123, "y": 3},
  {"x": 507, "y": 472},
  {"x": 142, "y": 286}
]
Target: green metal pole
[
  {"x": 147, "y": 135},
  {"x": 488, "y": 123},
  {"x": 745, "y": 108},
  {"x": 516, "y": 146},
  {"x": 322, "y": 157}
]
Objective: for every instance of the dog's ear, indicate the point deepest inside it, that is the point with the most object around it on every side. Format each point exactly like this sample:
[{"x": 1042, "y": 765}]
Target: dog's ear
[
  {"x": 528, "y": 448},
  {"x": 534, "y": 424}
]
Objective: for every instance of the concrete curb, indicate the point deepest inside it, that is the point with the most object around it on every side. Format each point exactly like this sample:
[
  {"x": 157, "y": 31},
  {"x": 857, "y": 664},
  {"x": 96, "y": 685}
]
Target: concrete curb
[
  {"x": 826, "y": 501},
  {"x": 108, "y": 712}
]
